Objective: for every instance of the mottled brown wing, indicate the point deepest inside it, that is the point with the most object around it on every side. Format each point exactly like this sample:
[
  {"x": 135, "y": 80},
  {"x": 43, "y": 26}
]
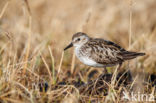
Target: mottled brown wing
[{"x": 105, "y": 52}]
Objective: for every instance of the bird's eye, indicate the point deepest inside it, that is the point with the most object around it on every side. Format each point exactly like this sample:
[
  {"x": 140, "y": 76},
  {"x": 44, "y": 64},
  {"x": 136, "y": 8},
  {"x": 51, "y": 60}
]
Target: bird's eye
[{"x": 78, "y": 39}]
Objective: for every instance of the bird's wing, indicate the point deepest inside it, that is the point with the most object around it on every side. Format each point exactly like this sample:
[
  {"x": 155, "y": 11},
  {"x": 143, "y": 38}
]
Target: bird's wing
[{"x": 105, "y": 52}]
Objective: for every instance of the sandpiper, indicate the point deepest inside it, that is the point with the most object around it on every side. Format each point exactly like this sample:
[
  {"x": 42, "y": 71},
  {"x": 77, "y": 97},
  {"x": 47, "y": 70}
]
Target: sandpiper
[{"x": 98, "y": 52}]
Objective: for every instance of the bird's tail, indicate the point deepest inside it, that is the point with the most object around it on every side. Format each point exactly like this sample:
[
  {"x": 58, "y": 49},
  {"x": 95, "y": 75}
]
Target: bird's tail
[{"x": 127, "y": 55}]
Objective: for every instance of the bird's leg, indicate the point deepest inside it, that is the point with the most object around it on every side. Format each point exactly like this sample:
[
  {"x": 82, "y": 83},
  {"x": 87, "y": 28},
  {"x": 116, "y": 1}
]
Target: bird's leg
[
  {"x": 105, "y": 70},
  {"x": 103, "y": 73},
  {"x": 120, "y": 64},
  {"x": 117, "y": 69},
  {"x": 99, "y": 78},
  {"x": 115, "y": 74}
]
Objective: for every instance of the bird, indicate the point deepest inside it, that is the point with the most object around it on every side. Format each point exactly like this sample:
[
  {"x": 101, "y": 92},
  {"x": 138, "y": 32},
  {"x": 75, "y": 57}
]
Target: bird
[{"x": 98, "y": 52}]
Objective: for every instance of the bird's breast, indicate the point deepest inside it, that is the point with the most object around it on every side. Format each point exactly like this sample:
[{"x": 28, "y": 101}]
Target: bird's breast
[{"x": 83, "y": 56}]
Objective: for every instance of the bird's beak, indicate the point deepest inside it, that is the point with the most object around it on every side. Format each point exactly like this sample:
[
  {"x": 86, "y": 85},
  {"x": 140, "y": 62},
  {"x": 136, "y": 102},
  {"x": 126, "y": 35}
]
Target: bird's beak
[{"x": 69, "y": 46}]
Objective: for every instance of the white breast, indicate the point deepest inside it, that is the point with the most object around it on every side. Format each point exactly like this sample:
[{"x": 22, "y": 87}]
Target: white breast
[{"x": 86, "y": 60}]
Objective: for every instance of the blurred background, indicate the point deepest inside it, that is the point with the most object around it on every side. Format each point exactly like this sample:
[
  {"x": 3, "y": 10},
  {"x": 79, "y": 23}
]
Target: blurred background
[
  {"x": 33, "y": 33},
  {"x": 52, "y": 23}
]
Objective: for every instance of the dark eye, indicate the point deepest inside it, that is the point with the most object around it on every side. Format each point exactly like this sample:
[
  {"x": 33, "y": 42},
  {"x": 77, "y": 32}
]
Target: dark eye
[{"x": 78, "y": 39}]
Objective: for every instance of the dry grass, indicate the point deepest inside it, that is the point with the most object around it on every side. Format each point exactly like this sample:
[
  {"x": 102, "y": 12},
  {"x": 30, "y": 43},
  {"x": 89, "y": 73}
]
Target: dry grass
[{"x": 33, "y": 34}]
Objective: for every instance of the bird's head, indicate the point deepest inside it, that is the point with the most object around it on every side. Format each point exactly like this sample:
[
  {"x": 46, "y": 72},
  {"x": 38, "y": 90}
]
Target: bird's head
[{"x": 78, "y": 39}]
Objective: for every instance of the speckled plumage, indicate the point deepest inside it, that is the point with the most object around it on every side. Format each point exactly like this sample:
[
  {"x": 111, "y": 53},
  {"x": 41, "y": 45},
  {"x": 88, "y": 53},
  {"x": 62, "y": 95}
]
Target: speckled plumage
[{"x": 99, "y": 52}]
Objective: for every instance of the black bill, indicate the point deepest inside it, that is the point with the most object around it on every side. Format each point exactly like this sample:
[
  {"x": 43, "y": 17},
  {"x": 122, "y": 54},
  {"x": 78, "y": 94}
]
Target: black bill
[{"x": 69, "y": 46}]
